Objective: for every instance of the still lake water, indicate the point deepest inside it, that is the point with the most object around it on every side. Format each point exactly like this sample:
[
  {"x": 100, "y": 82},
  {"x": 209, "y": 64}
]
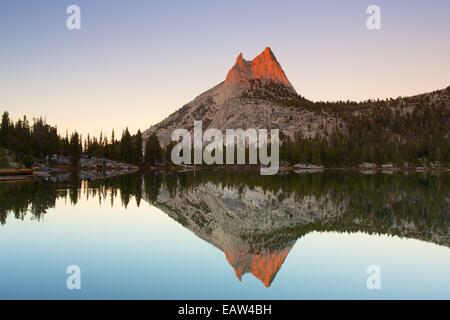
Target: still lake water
[{"x": 227, "y": 235}]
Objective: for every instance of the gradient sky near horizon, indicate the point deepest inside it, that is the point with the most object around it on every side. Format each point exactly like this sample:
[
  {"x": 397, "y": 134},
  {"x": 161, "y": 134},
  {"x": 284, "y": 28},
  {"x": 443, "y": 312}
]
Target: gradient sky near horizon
[{"x": 135, "y": 62}]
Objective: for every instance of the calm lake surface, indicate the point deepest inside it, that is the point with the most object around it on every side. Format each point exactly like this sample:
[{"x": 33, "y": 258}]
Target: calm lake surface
[{"x": 227, "y": 235}]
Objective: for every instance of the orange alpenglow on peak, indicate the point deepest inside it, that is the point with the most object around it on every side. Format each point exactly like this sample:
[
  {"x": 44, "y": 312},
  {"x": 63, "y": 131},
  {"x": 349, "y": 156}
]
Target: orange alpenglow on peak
[
  {"x": 263, "y": 266},
  {"x": 264, "y": 67}
]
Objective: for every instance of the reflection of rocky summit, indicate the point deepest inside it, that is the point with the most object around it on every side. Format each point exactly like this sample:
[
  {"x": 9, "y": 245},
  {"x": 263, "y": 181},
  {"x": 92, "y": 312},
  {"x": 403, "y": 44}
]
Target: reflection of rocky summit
[
  {"x": 247, "y": 227},
  {"x": 229, "y": 221},
  {"x": 263, "y": 265},
  {"x": 257, "y": 228}
]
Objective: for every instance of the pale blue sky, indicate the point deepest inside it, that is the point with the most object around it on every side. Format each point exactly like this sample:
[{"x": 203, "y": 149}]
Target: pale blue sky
[
  {"x": 144, "y": 254},
  {"x": 135, "y": 62}
]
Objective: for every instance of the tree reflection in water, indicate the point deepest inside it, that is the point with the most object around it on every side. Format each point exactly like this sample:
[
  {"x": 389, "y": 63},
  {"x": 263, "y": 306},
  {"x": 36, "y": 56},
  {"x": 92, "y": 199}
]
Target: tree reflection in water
[{"x": 255, "y": 220}]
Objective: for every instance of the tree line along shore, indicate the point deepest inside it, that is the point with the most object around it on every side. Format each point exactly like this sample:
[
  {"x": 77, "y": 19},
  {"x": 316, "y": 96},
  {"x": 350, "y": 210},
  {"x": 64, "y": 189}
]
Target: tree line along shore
[{"x": 376, "y": 139}]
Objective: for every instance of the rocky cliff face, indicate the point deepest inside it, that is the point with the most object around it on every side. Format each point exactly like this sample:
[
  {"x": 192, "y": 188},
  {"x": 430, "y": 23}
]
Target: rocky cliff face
[{"x": 253, "y": 95}]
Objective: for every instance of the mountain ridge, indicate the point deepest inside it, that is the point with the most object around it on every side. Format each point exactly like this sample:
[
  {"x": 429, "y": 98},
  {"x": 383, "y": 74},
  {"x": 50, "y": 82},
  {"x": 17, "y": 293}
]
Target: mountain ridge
[
  {"x": 247, "y": 98},
  {"x": 256, "y": 94}
]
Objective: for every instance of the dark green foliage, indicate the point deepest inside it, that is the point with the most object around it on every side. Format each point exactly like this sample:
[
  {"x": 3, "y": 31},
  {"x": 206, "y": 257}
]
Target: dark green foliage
[
  {"x": 415, "y": 130},
  {"x": 3, "y": 161},
  {"x": 27, "y": 141},
  {"x": 126, "y": 146},
  {"x": 41, "y": 141},
  {"x": 137, "y": 148},
  {"x": 75, "y": 148},
  {"x": 153, "y": 151},
  {"x": 27, "y": 161}
]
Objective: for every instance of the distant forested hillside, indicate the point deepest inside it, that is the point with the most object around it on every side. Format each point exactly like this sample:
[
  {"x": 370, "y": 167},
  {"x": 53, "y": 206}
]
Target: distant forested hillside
[{"x": 412, "y": 129}]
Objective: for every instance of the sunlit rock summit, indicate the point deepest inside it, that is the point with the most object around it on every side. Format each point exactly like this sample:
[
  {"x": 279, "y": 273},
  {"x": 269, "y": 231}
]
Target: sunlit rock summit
[
  {"x": 255, "y": 94},
  {"x": 264, "y": 68}
]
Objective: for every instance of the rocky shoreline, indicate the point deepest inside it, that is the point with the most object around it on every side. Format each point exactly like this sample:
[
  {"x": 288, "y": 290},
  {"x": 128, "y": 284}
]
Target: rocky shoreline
[
  {"x": 87, "y": 168},
  {"x": 102, "y": 168}
]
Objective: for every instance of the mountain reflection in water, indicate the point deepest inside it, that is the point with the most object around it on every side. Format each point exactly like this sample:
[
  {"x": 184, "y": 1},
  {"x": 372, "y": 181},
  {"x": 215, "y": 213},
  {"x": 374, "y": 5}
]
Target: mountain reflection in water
[{"x": 256, "y": 220}]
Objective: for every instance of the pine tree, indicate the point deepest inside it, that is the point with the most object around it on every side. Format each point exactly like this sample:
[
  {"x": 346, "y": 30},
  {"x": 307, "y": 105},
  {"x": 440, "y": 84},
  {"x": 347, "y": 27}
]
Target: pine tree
[
  {"x": 153, "y": 151},
  {"x": 75, "y": 148},
  {"x": 126, "y": 147},
  {"x": 4, "y": 128},
  {"x": 137, "y": 148}
]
